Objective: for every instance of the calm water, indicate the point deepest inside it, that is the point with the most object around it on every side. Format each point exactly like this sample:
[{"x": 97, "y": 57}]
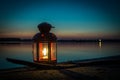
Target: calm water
[{"x": 65, "y": 52}]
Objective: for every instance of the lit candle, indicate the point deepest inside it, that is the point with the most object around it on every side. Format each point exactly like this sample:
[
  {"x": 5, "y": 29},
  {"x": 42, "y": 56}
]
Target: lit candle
[{"x": 45, "y": 53}]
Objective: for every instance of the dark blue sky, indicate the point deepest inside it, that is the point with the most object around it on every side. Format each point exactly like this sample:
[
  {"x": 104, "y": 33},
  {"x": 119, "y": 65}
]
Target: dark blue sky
[{"x": 73, "y": 19}]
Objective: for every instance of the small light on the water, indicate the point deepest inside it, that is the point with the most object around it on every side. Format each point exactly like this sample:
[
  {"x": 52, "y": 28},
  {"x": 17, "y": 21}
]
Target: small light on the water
[{"x": 99, "y": 40}]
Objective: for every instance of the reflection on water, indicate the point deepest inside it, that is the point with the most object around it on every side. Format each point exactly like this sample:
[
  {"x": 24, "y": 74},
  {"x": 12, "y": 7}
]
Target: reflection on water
[
  {"x": 100, "y": 43},
  {"x": 17, "y": 51},
  {"x": 80, "y": 51},
  {"x": 65, "y": 52}
]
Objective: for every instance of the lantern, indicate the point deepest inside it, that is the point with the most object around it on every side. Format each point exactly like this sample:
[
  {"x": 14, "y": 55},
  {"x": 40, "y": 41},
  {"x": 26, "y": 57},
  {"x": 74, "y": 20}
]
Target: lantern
[{"x": 44, "y": 45}]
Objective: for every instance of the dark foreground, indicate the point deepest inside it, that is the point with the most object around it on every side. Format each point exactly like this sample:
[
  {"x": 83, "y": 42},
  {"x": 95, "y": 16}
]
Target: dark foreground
[
  {"x": 80, "y": 73},
  {"x": 97, "y": 69}
]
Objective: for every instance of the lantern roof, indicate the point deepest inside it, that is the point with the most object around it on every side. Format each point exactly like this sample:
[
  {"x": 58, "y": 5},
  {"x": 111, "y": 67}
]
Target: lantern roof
[
  {"x": 44, "y": 34},
  {"x": 45, "y": 27}
]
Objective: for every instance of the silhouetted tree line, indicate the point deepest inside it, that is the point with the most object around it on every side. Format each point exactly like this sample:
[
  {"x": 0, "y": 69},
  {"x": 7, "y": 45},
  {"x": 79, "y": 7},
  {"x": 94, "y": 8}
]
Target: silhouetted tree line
[
  {"x": 91, "y": 40},
  {"x": 14, "y": 39},
  {"x": 10, "y": 39},
  {"x": 81, "y": 40}
]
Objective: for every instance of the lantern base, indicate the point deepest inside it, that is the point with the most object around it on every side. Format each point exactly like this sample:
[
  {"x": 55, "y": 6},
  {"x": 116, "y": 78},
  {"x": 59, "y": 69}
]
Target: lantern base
[{"x": 47, "y": 62}]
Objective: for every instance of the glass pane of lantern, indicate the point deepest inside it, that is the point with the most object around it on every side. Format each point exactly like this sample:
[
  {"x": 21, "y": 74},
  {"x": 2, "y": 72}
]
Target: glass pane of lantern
[
  {"x": 43, "y": 51},
  {"x": 34, "y": 52},
  {"x": 53, "y": 51}
]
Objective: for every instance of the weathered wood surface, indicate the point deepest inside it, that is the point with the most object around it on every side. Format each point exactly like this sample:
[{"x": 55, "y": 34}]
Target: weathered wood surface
[
  {"x": 39, "y": 65},
  {"x": 70, "y": 64},
  {"x": 70, "y": 69}
]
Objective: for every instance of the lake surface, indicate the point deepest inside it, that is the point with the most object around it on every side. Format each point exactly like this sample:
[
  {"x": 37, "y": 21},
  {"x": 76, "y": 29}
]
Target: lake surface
[{"x": 65, "y": 52}]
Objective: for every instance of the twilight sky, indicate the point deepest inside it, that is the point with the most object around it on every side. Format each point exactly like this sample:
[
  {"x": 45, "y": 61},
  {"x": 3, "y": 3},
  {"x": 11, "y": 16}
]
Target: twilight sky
[{"x": 73, "y": 19}]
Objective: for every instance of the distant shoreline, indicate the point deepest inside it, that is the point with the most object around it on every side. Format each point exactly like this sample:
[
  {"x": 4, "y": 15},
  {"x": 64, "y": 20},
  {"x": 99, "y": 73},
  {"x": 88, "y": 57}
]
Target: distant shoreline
[{"x": 18, "y": 40}]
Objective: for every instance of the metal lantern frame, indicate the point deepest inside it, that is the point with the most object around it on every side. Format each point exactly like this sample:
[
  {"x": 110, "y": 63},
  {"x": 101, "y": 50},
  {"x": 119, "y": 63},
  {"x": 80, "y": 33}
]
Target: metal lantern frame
[{"x": 45, "y": 47}]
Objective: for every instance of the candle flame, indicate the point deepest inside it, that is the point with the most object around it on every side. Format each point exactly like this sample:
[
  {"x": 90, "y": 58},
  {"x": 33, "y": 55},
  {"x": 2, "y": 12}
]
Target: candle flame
[{"x": 45, "y": 53}]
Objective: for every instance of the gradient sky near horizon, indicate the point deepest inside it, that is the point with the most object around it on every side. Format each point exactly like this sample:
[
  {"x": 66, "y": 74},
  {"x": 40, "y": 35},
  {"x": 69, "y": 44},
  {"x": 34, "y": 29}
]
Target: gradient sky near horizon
[{"x": 73, "y": 19}]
